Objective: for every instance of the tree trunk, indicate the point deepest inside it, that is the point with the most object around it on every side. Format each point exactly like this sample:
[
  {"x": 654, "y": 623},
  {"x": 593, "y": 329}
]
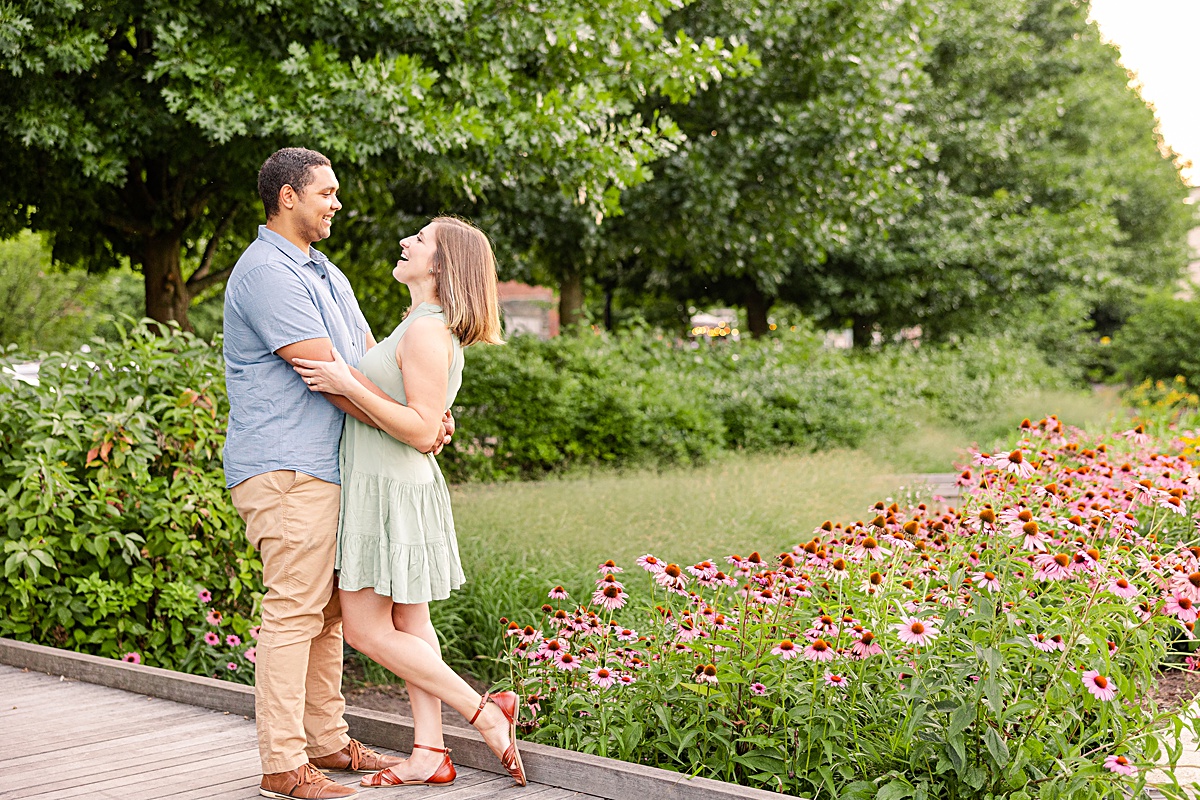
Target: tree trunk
[
  {"x": 166, "y": 295},
  {"x": 757, "y": 306},
  {"x": 864, "y": 333},
  {"x": 570, "y": 300}
]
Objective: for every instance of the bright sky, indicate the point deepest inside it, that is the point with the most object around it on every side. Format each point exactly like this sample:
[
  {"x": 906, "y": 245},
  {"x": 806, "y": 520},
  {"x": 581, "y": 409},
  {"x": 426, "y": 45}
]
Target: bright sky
[{"x": 1159, "y": 41}]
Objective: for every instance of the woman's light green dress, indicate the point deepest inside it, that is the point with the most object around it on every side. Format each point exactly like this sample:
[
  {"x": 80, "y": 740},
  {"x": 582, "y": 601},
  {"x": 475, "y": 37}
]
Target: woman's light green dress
[{"x": 396, "y": 532}]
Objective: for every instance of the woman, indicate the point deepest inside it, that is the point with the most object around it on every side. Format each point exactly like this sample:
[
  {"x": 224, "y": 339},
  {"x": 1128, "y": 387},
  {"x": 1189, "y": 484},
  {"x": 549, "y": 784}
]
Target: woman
[{"x": 396, "y": 546}]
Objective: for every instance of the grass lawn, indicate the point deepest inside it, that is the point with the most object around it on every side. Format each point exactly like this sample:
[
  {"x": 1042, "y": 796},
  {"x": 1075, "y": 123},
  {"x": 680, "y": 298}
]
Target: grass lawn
[{"x": 742, "y": 502}]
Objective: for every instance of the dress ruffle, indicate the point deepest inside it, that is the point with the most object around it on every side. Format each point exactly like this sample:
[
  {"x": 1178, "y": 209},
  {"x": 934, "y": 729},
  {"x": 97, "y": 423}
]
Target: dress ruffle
[{"x": 397, "y": 538}]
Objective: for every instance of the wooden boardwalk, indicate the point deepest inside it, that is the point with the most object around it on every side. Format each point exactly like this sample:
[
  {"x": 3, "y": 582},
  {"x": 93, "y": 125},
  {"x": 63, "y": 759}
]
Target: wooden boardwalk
[{"x": 60, "y": 738}]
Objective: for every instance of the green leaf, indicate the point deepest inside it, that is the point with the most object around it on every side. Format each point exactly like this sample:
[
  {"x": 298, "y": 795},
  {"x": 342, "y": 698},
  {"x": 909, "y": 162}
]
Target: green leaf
[{"x": 996, "y": 746}]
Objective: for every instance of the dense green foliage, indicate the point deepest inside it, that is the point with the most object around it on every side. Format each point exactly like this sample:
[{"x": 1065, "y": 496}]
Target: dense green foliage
[
  {"x": 154, "y": 118},
  {"x": 1159, "y": 341},
  {"x": 533, "y": 406},
  {"x": 115, "y": 512},
  {"x": 116, "y": 515}
]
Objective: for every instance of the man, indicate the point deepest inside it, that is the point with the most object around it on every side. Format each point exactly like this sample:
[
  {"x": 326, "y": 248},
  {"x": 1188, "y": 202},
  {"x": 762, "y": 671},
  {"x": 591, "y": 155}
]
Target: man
[{"x": 284, "y": 300}]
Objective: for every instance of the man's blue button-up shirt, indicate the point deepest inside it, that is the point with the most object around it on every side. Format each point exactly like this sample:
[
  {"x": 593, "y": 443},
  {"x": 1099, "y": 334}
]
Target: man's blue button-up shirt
[{"x": 279, "y": 295}]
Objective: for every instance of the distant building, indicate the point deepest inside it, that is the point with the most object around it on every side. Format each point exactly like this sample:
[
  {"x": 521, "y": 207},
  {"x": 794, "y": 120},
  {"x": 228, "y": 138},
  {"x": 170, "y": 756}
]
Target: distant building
[{"x": 531, "y": 310}]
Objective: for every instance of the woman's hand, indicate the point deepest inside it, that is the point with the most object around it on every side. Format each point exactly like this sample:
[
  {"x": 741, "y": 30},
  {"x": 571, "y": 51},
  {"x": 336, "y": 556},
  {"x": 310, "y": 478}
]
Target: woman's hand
[{"x": 331, "y": 377}]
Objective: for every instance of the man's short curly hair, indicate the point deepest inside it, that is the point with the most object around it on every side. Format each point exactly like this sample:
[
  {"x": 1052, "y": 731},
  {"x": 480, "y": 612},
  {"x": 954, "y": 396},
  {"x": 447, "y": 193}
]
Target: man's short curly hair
[{"x": 291, "y": 166}]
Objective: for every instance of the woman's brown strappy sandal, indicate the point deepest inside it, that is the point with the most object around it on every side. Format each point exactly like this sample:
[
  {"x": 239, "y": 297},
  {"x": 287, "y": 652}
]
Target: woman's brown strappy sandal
[
  {"x": 509, "y": 704},
  {"x": 444, "y": 775}
]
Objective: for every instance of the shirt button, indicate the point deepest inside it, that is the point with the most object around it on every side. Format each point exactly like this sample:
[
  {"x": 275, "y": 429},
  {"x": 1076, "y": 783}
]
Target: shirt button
[{"x": 322, "y": 276}]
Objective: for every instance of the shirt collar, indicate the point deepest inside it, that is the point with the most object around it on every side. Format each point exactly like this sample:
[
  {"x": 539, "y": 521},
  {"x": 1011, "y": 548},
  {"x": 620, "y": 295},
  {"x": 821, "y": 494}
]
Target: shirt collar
[{"x": 293, "y": 253}]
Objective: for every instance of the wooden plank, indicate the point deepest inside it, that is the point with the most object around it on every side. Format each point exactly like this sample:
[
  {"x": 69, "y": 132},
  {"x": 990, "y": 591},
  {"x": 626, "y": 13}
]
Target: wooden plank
[
  {"x": 599, "y": 777},
  {"x": 197, "y": 772},
  {"x": 99, "y": 733},
  {"x": 82, "y": 774},
  {"x": 99, "y": 754}
]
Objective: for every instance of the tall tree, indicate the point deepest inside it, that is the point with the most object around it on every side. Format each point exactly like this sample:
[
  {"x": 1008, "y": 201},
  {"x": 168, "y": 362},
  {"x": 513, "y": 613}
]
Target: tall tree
[
  {"x": 786, "y": 163},
  {"x": 135, "y": 128},
  {"x": 1046, "y": 195}
]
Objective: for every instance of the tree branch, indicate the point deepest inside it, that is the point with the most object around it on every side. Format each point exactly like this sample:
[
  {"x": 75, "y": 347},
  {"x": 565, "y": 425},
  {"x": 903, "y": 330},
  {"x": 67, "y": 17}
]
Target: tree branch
[
  {"x": 210, "y": 249},
  {"x": 128, "y": 226},
  {"x": 197, "y": 285}
]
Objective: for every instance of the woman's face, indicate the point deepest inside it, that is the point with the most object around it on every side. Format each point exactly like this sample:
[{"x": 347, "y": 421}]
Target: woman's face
[{"x": 416, "y": 255}]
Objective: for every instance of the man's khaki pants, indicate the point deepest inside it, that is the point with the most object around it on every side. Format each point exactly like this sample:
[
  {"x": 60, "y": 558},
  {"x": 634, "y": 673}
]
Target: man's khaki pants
[{"x": 291, "y": 519}]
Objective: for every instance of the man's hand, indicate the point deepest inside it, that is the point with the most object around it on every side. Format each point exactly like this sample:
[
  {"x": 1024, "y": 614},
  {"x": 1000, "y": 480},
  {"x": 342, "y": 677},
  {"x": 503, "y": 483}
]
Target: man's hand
[{"x": 447, "y": 432}]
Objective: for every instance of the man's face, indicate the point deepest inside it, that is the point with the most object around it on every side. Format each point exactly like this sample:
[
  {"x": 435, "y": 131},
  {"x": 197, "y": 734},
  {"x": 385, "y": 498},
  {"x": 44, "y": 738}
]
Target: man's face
[{"x": 316, "y": 205}]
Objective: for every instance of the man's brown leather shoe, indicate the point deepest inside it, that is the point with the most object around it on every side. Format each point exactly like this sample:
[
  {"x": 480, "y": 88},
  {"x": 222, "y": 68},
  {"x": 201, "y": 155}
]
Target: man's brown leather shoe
[
  {"x": 303, "y": 782},
  {"x": 355, "y": 757}
]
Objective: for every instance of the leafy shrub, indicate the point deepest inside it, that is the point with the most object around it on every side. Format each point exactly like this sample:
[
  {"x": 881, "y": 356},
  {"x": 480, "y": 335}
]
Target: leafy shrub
[
  {"x": 1159, "y": 341},
  {"x": 116, "y": 517},
  {"x": 1004, "y": 650}
]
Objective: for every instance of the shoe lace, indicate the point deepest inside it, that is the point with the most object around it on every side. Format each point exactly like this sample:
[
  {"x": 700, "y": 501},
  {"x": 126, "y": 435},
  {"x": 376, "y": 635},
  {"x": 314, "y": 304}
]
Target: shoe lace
[
  {"x": 360, "y": 753},
  {"x": 310, "y": 774}
]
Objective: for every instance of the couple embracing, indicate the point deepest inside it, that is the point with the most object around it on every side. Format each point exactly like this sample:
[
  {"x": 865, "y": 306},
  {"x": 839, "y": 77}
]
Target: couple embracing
[{"x": 330, "y": 461}]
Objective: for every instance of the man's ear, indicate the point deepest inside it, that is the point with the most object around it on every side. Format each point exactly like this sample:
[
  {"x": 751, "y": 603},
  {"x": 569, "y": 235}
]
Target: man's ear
[{"x": 287, "y": 196}]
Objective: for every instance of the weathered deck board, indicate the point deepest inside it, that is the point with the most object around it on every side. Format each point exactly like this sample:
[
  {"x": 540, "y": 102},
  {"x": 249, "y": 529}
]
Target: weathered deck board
[{"x": 123, "y": 745}]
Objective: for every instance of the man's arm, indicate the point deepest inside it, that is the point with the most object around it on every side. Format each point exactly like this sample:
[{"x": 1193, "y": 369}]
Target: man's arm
[{"x": 319, "y": 350}]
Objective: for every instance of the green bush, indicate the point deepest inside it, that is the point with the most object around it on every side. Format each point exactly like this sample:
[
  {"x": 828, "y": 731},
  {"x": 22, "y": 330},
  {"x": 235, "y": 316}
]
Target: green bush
[
  {"x": 116, "y": 516},
  {"x": 1159, "y": 341}
]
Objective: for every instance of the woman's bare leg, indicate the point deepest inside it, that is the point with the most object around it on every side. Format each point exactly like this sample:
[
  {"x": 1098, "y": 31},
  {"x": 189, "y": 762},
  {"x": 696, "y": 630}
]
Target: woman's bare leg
[
  {"x": 413, "y": 618},
  {"x": 368, "y": 627}
]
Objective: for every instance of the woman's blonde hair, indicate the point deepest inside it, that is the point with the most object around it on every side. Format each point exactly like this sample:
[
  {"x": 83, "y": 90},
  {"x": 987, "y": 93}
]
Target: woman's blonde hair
[{"x": 465, "y": 275}]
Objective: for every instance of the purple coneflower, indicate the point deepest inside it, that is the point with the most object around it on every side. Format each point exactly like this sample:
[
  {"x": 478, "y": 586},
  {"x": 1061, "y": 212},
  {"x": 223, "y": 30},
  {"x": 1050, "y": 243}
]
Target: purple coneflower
[
  {"x": 819, "y": 650},
  {"x": 706, "y": 673},
  {"x": 758, "y": 689},
  {"x": 1122, "y": 588},
  {"x": 650, "y": 564},
  {"x": 785, "y": 650},
  {"x": 1181, "y": 607},
  {"x": 212, "y": 639},
  {"x": 557, "y": 593},
  {"x": 132, "y": 657},
  {"x": 609, "y": 566},
  {"x": 203, "y": 595},
  {"x": 837, "y": 681},
  {"x": 214, "y": 617},
  {"x": 602, "y": 677},
  {"x": 610, "y": 596},
  {"x": 986, "y": 580},
  {"x": 233, "y": 641},
  {"x": 1120, "y": 765},
  {"x": 865, "y": 646},
  {"x": 566, "y": 661},
  {"x": 1100, "y": 686},
  {"x": 251, "y": 654},
  {"x": 232, "y": 667},
  {"x": 911, "y": 630}
]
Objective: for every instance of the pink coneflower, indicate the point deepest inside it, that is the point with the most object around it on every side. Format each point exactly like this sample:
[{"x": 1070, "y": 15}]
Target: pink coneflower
[
  {"x": 529, "y": 634},
  {"x": 1186, "y": 584},
  {"x": 1122, "y": 588},
  {"x": 1136, "y": 436},
  {"x": 687, "y": 631},
  {"x": 913, "y": 631},
  {"x": 870, "y": 548},
  {"x": 1047, "y": 644},
  {"x": 233, "y": 641},
  {"x": 602, "y": 677},
  {"x": 203, "y": 595},
  {"x": 251, "y": 654},
  {"x": 232, "y": 667},
  {"x": 1181, "y": 607},
  {"x": 705, "y": 570},
  {"x": 650, "y": 564},
  {"x": 706, "y": 673},
  {"x": 671, "y": 577},
  {"x": 983, "y": 459},
  {"x": 1052, "y": 567},
  {"x": 132, "y": 657},
  {"x": 1016, "y": 463},
  {"x": 212, "y": 639},
  {"x": 214, "y": 617},
  {"x": 986, "y": 580},
  {"x": 255, "y": 631},
  {"x": 625, "y": 680},
  {"x": 1100, "y": 687},
  {"x": 557, "y": 593},
  {"x": 819, "y": 650},
  {"x": 627, "y": 635},
  {"x": 609, "y": 566},
  {"x": 865, "y": 647},
  {"x": 566, "y": 661},
  {"x": 1120, "y": 765},
  {"x": 610, "y": 596},
  {"x": 758, "y": 689},
  {"x": 837, "y": 681},
  {"x": 785, "y": 650}
]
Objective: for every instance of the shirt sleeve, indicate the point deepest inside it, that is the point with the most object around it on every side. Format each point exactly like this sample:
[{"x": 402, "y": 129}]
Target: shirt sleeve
[{"x": 276, "y": 304}]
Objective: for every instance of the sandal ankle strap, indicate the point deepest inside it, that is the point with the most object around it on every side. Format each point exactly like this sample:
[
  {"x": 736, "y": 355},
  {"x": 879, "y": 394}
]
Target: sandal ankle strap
[
  {"x": 482, "y": 702},
  {"x": 445, "y": 750}
]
